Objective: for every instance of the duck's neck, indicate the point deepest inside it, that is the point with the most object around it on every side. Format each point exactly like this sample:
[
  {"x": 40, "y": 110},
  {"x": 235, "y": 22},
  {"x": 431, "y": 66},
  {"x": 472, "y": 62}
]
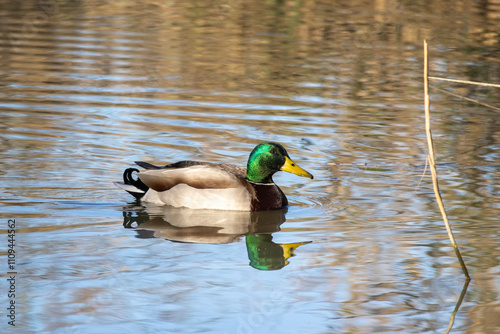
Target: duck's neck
[
  {"x": 256, "y": 173},
  {"x": 260, "y": 180}
]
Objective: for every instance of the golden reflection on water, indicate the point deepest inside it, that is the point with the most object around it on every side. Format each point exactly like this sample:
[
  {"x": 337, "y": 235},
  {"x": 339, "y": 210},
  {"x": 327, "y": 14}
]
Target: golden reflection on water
[{"x": 88, "y": 87}]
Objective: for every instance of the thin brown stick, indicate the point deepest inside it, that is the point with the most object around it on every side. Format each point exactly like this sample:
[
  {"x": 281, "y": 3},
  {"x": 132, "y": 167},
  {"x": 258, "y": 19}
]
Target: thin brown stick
[
  {"x": 466, "y": 82},
  {"x": 432, "y": 164},
  {"x": 467, "y": 99},
  {"x": 423, "y": 174}
]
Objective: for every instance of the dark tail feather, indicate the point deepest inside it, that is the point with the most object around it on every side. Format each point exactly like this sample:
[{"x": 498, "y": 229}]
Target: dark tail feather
[
  {"x": 146, "y": 165},
  {"x": 129, "y": 180}
]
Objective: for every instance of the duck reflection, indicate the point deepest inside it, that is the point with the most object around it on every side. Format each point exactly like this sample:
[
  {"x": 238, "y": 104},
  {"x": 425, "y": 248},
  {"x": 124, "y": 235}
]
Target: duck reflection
[
  {"x": 264, "y": 254},
  {"x": 215, "y": 227}
]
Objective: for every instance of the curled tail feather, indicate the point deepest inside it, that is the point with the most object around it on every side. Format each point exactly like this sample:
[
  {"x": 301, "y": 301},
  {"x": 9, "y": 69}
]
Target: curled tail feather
[{"x": 134, "y": 187}]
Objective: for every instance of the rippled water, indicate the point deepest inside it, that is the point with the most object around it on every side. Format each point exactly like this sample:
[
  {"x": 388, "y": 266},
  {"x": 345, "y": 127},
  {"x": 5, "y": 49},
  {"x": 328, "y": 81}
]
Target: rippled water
[{"x": 88, "y": 87}]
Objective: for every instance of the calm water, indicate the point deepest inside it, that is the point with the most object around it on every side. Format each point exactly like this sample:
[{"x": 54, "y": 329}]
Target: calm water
[{"x": 88, "y": 87}]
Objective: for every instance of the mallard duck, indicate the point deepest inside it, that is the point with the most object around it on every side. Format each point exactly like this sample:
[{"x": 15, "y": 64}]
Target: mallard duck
[{"x": 205, "y": 185}]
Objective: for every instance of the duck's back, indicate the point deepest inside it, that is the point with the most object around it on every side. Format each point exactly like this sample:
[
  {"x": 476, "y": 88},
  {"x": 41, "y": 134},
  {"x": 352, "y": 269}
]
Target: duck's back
[{"x": 197, "y": 185}]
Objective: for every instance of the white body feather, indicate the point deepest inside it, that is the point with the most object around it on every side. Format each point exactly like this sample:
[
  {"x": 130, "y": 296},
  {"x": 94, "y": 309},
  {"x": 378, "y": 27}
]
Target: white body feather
[
  {"x": 196, "y": 187},
  {"x": 183, "y": 195}
]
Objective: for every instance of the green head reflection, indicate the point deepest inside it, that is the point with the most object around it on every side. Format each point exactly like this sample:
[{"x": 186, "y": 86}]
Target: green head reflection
[{"x": 264, "y": 254}]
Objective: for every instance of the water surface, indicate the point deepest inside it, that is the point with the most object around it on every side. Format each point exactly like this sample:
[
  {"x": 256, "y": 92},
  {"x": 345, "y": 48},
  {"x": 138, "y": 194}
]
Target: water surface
[{"x": 88, "y": 87}]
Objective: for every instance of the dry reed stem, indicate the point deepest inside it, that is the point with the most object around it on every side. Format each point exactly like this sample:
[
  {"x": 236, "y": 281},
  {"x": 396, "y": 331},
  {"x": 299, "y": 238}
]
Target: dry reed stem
[
  {"x": 432, "y": 164},
  {"x": 423, "y": 174},
  {"x": 466, "y": 82},
  {"x": 467, "y": 99}
]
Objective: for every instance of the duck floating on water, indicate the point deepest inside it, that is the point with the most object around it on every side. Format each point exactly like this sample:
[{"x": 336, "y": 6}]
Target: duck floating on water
[{"x": 205, "y": 185}]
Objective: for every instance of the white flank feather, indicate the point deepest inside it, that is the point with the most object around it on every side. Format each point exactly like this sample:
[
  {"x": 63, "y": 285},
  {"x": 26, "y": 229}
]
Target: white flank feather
[{"x": 182, "y": 195}]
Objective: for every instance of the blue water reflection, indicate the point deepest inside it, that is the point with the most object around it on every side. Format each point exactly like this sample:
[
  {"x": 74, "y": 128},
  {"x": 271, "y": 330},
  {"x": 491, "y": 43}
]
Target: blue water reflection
[{"x": 86, "y": 87}]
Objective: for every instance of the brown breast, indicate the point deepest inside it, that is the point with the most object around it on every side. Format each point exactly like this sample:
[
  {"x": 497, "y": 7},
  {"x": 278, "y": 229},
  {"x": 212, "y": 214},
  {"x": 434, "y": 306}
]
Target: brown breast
[{"x": 267, "y": 197}]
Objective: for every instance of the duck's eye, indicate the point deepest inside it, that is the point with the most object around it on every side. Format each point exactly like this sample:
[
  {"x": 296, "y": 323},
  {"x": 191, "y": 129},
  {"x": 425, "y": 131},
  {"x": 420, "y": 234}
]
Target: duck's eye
[{"x": 273, "y": 151}]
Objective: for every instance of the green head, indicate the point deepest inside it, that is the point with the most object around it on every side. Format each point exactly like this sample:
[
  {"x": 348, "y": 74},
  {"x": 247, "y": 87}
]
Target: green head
[{"x": 266, "y": 159}]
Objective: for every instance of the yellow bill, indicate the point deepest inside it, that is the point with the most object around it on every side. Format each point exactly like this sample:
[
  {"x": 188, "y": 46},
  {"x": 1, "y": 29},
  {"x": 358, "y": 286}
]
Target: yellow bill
[
  {"x": 289, "y": 248},
  {"x": 291, "y": 167}
]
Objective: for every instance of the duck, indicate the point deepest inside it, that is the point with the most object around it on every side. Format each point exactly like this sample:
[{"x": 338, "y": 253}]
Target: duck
[{"x": 218, "y": 186}]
